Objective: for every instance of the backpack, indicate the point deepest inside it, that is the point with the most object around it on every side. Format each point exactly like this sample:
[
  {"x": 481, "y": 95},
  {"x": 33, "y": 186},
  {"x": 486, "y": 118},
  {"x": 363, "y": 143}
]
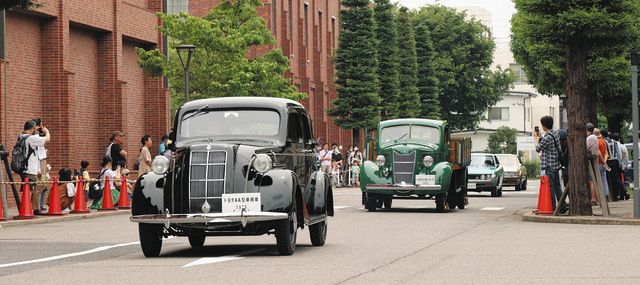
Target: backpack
[
  {"x": 94, "y": 187},
  {"x": 20, "y": 155}
]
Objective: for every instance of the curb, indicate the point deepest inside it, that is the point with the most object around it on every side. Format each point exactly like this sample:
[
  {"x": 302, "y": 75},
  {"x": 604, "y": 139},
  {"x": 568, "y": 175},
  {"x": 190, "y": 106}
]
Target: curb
[
  {"x": 67, "y": 217},
  {"x": 583, "y": 220}
]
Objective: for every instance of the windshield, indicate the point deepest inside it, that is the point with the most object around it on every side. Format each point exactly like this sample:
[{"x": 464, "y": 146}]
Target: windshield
[
  {"x": 414, "y": 132},
  {"x": 508, "y": 159},
  {"x": 482, "y": 160},
  {"x": 217, "y": 124}
]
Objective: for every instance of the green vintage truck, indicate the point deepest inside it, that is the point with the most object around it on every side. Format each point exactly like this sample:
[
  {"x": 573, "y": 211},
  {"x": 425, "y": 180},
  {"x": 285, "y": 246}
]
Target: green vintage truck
[{"x": 414, "y": 159}]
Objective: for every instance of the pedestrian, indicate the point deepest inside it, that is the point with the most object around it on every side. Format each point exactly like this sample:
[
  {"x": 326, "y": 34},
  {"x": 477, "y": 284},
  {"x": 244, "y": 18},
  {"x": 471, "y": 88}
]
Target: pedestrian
[
  {"x": 86, "y": 178},
  {"x": 593, "y": 152},
  {"x": 117, "y": 154},
  {"x": 67, "y": 189},
  {"x": 356, "y": 155},
  {"x": 44, "y": 167},
  {"x": 615, "y": 156},
  {"x": 145, "y": 155},
  {"x": 336, "y": 162},
  {"x": 355, "y": 169},
  {"x": 33, "y": 140},
  {"x": 603, "y": 167},
  {"x": 114, "y": 178},
  {"x": 164, "y": 146},
  {"x": 622, "y": 164},
  {"x": 324, "y": 156},
  {"x": 549, "y": 146}
]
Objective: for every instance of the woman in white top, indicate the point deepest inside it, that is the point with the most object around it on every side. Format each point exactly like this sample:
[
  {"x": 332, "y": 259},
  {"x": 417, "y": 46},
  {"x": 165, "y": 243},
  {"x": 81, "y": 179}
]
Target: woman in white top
[{"x": 114, "y": 179}]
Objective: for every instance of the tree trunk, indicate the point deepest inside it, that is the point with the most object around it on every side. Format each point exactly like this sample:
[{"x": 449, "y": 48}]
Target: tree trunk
[
  {"x": 614, "y": 123},
  {"x": 582, "y": 104}
]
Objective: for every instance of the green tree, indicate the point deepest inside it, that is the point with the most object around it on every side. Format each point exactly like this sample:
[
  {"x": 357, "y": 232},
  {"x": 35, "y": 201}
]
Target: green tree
[
  {"x": 409, "y": 100},
  {"x": 427, "y": 79},
  {"x": 219, "y": 66},
  {"x": 23, "y": 4},
  {"x": 555, "y": 42},
  {"x": 503, "y": 140},
  {"x": 463, "y": 57},
  {"x": 388, "y": 76},
  {"x": 357, "y": 105}
]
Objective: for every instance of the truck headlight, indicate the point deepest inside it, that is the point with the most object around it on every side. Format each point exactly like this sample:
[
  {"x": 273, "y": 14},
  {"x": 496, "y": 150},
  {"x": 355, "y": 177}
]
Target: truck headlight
[
  {"x": 483, "y": 177},
  {"x": 493, "y": 175},
  {"x": 160, "y": 165},
  {"x": 427, "y": 161},
  {"x": 262, "y": 163},
  {"x": 380, "y": 160}
]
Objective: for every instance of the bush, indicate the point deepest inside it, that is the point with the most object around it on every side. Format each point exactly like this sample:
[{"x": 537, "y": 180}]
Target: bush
[{"x": 533, "y": 168}]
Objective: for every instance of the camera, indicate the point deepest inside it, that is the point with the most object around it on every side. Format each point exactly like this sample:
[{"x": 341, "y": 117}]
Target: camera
[{"x": 38, "y": 122}]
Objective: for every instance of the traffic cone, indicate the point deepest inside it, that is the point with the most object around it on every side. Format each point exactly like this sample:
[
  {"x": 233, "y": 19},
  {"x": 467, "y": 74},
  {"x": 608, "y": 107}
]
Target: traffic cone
[
  {"x": 107, "y": 199},
  {"x": 26, "y": 210},
  {"x": 80, "y": 204},
  {"x": 1, "y": 213},
  {"x": 544, "y": 197},
  {"x": 55, "y": 209},
  {"x": 123, "y": 203}
]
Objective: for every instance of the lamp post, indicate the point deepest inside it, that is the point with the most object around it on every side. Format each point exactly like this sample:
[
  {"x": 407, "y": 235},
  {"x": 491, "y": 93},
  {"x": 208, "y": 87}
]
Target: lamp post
[
  {"x": 189, "y": 49},
  {"x": 635, "y": 61}
]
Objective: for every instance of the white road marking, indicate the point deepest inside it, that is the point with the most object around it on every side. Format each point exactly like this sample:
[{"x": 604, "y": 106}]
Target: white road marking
[
  {"x": 340, "y": 207},
  {"x": 492, "y": 209},
  {"x": 210, "y": 260}
]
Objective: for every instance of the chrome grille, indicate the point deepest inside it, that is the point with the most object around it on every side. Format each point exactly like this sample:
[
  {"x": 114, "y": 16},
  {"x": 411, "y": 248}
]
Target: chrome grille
[
  {"x": 403, "y": 167},
  {"x": 207, "y": 177}
]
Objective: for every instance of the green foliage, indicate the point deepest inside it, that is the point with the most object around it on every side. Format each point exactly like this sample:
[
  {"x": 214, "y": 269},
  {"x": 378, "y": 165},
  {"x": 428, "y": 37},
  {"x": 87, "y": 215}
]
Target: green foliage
[
  {"x": 23, "y": 4},
  {"x": 387, "y": 58},
  {"x": 357, "y": 105},
  {"x": 219, "y": 66},
  {"x": 533, "y": 167},
  {"x": 409, "y": 103},
  {"x": 503, "y": 140},
  {"x": 427, "y": 78},
  {"x": 462, "y": 61}
]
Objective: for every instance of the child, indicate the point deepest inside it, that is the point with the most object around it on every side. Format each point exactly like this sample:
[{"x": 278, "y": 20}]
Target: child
[{"x": 355, "y": 170}]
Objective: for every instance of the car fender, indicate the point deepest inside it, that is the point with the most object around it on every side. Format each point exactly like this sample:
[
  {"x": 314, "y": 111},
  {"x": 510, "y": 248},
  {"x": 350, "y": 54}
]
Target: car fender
[
  {"x": 318, "y": 197},
  {"x": 277, "y": 195},
  {"x": 148, "y": 194},
  {"x": 370, "y": 173},
  {"x": 443, "y": 172}
]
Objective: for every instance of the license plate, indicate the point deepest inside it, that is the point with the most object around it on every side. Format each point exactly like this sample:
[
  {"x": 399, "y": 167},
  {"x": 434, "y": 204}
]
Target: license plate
[
  {"x": 425, "y": 179},
  {"x": 471, "y": 186},
  {"x": 234, "y": 203}
]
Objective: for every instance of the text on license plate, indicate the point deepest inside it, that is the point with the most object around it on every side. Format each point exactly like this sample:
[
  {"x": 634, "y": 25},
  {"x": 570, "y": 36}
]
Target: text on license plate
[
  {"x": 422, "y": 179},
  {"x": 471, "y": 186},
  {"x": 234, "y": 203}
]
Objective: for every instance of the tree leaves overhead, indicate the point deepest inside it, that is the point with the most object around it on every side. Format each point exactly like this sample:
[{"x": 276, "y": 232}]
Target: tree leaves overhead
[
  {"x": 388, "y": 75},
  {"x": 409, "y": 103},
  {"x": 219, "y": 66},
  {"x": 463, "y": 56},
  {"x": 23, "y": 4},
  {"x": 357, "y": 105}
]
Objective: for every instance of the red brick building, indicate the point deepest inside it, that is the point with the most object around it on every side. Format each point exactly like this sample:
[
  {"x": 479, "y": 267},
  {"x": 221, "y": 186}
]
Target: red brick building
[
  {"x": 73, "y": 64},
  {"x": 307, "y": 33}
]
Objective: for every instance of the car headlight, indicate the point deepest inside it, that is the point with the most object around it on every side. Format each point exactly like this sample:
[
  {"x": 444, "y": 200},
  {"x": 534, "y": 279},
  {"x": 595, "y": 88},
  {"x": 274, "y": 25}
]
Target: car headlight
[
  {"x": 160, "y": 165},
  {"x": 380, "y": 160},
  {"x": 262, "y": 163},
  {"x": 427, "y": 161}
]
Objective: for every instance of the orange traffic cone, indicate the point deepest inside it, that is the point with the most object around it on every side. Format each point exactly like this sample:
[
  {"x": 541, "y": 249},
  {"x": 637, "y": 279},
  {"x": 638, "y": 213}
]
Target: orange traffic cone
[
  {"x": 544, "y": 197},
  {"x": 55, "y": 209},
  {"x": 123, "y": 203},
  {"x": 107, "y": 199},
  {"x": 1, "y": 213},
  {"x": 80, "y": 204},
  {"x": 26, "y": 209}
]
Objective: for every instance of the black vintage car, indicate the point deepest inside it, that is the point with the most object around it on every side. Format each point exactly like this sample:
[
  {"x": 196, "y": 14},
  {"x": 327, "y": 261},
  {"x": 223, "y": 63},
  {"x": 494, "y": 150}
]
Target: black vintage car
[{"x": 240, "y": 166}]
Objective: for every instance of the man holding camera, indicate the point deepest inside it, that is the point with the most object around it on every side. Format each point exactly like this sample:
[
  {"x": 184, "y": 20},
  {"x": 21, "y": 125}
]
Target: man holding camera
[{"x": 34, "y": 141}]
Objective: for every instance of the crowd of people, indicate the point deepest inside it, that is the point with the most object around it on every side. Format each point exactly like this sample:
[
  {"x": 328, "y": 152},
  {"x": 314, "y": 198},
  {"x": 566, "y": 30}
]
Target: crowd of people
[
  {"x": 342, "y": 167},
  {"x": 610, "y": 155},
  {"x": 29, "y": 161}
]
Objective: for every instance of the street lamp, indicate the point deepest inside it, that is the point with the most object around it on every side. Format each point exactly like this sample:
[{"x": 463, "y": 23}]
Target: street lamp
[
  {"x": 635, "y": 61},
  {"x": 189, "y": 49}
]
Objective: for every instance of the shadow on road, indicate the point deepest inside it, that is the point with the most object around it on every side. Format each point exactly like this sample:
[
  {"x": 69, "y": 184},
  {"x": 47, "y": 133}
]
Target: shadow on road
[{"x": 246, "y": 250}]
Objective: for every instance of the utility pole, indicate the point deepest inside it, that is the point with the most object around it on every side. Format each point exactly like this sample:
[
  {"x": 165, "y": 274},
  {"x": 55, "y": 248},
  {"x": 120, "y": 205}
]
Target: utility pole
[{"x": 635, "y": 59}]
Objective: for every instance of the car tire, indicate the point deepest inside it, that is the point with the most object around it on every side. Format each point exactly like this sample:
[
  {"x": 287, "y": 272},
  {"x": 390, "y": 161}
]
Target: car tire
[
  {"x": 286, "y": 233},
  {"x": 371, "y": 204},
  {"x": 460, "y": 199},
  {"x": 197, "y": 238},
  {"x": 524, "y": 185},
  {"x": 318, "y": 233},
  {"x": 387, "y": 203},
  {"x": 440, "y": 201},
  {"x": 150, "y": 239},
  {"x": 518, "y": 186},
  {"x": 494, "y": 191}
]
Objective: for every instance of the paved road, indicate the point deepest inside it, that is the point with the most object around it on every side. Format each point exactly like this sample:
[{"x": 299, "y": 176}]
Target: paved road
[{"x": 410, "y": 244}]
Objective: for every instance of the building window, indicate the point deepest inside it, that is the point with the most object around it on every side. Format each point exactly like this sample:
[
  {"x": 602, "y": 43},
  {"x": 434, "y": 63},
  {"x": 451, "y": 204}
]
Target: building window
[
  {"x": 290, "y": 30},
  {"x": 333, "y": 32},
  {"x": 274, "y": 18},
  {"x": 498, "y": 114},
  {"x": 306, "y": 24},
  {"x": 319, "y": 30},
  {"x": 177, "y": 6},
  {"x": 521, "y": 76}
]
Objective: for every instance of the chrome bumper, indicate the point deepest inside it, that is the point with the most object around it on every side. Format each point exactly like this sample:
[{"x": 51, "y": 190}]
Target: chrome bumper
[
  {"x": 404, "y": 188},
  {"x": 215, "y": 218}
]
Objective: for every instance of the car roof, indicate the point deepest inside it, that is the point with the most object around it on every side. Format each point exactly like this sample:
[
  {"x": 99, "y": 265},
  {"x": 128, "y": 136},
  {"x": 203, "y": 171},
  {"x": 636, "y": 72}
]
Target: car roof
[
  {"x": 481, "y": 153},
  {"x": 505, "y": 154},
  {"x": 242, "y": 102},
  {"x": 412, "y": 121}
]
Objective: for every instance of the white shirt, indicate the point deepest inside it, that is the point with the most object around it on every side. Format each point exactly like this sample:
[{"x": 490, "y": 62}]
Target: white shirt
[
  {"x": 107, "y": 173},
  {"x": 71, "y": 190},
  {"x": 324, "y": 154},
  {"x": 33, "y": 164}
]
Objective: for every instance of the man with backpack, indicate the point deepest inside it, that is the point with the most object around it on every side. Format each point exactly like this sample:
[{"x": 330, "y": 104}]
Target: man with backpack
[
  {"x": 549, "y": 146},
  {"x": 615, "y": 157},
  {"x": 25, "y": 160}
]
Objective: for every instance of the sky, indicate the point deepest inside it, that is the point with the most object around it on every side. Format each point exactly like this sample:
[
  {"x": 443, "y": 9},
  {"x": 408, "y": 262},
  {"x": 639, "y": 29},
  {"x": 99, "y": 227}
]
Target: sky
[{"x": 501, "y": 12}]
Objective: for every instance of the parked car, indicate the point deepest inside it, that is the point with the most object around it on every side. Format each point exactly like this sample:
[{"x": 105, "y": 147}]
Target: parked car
[
  {"x": 414, "y": 159},
  {"x": 486, "y": 174},
  {"x": 515, "y": 173},
  {"x": 241, "y": 166}
]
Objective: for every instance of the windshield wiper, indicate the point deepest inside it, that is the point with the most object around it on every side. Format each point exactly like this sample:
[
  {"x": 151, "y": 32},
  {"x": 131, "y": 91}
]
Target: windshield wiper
[
  {"x": 197, "y": 112},
  {"x": 402, "y": 136}
]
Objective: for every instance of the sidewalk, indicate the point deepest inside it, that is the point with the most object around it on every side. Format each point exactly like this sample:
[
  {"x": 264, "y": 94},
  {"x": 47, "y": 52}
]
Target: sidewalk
[
  {"x": 10, "y": 213},
  {"x": 621, "y": 214}
]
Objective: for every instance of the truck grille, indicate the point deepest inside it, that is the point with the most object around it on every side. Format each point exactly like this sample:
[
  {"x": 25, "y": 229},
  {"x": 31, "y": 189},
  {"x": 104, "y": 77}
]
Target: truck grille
[
  {"x": 207, "y": 175},
  {"x": 403, "y": 167}
]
